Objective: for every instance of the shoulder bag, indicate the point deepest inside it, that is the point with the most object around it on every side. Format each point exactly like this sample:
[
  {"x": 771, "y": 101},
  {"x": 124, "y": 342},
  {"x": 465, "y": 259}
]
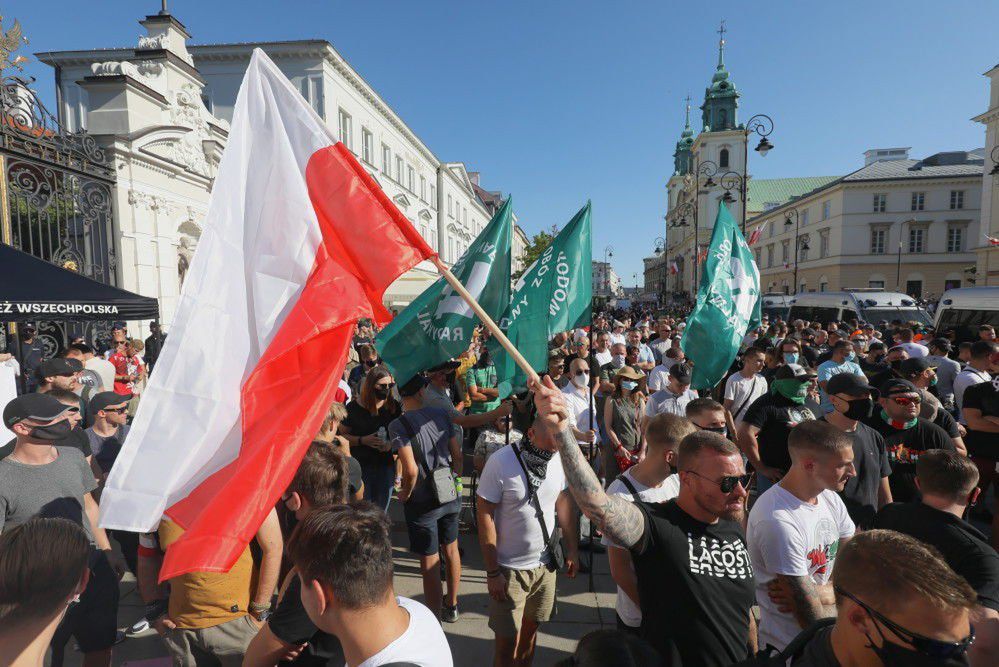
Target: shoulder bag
[
  {"x": 553, "y": 540},
  {"x": 439, "y": 480}
]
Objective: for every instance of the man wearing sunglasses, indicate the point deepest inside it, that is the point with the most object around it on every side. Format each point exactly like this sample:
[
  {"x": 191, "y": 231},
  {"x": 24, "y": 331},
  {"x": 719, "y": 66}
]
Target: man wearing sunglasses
[
  {"x": 796, "y": 528},
  {"x": 897, "y": 603},
  {"x": 108, "y": 432},
  {"x": 694, "y": 578},
  {"x": 906, "y": 435}
]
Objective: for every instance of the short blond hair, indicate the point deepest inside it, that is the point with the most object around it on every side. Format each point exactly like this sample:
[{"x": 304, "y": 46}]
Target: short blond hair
[{"x": 665, "y": 431}]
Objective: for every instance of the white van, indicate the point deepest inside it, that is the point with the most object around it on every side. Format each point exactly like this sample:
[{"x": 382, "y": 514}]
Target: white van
[
  {"x": 965, "y": 309},
  {"x": 774, "y": 305},
  {"x": 866, "y": 305}
]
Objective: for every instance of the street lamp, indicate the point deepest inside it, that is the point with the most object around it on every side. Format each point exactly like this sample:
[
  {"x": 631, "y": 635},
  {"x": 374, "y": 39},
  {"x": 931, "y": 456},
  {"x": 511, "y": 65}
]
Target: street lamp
[
  {"x": 660, "y": 248},
  {"x": 799, "y": 243},
  {"x": 608, "y": 252},
  {"x": 995, "y": 162}
]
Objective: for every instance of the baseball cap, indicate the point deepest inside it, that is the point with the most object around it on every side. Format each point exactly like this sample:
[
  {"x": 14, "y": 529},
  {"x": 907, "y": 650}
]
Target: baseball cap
[
  {"x": 794, "y": 372},
  {"x": 850, "y": 384},
  {"x": 105, "y": 399},
  {"x": 841, "y": 333},
  {"x": 681, "y": 372},
  {"x": 41, "y": 407},
  {"x": 941, "y": 344},
  {"x": 415, "y": 384},
  {"x": 59, "y": 366},
  {"x": 896, "y": 386},
  {"x": 915, "y": 365},
  {"x": 447, "y": 366}
]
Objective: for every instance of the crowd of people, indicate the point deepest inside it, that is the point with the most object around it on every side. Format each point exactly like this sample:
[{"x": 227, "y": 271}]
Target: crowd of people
[{"x": 830, "y": 502}]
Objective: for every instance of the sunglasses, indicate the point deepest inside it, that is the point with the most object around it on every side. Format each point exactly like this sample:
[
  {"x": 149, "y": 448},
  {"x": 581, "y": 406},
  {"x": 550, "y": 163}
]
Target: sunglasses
[
  {"x": 727, "y": 483},
  {"x": 907, "y": 400},
  {"x": 386, "y": 385},
  {"x": 933, "y": 648},
  {"x": 118, "y": 410}
]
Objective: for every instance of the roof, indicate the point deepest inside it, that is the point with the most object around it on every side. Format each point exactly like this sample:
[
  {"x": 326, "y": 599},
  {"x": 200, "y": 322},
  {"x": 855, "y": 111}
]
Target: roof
[
  {"x": 767, "y": 192},
  {"x": 940, "y": 165}
]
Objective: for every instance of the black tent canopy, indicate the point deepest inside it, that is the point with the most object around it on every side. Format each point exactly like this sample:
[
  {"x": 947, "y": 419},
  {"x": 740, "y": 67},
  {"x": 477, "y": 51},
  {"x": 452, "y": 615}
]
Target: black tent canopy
[{"x": 32, "y": 289}]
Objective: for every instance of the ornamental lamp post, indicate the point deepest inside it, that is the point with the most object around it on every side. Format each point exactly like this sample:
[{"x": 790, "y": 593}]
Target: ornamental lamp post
[{"x": 799, "y": 244}]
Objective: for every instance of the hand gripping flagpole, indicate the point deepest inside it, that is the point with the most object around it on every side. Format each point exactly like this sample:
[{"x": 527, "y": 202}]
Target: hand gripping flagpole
[{"x": 487, "y": 321}]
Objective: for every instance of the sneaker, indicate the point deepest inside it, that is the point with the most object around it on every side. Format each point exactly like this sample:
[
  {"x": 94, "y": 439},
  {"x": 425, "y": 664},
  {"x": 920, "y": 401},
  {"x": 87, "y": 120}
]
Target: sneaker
[{"x": 449, "y": 614}]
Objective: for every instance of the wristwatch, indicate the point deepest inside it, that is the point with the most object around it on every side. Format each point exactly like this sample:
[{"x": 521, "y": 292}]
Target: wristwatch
[{"x": 260, "y": 612}]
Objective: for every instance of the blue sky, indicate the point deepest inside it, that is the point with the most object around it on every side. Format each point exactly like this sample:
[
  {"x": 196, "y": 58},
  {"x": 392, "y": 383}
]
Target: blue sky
[{"x": 560, "y": 102}]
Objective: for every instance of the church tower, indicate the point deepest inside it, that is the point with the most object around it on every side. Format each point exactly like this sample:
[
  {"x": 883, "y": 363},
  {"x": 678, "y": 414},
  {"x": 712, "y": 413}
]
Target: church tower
[
  {"x": 721, "y": 99},
  {"x": 681, "y": 156}
]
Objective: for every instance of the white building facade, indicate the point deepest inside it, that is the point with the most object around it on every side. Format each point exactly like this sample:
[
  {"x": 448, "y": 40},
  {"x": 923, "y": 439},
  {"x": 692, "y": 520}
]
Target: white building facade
[
  {"x": 606, "y": 283},
  {"x": 987, "y": 254}
]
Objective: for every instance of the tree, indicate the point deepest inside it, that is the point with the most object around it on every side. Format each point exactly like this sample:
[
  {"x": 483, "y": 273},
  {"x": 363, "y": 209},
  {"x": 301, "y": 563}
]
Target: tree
[{"x": 537, "y": 245}]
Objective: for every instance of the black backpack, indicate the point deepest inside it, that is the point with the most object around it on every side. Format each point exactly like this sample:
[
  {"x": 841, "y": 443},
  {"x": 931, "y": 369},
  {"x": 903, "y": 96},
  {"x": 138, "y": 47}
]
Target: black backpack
[{"x": 771, "y": 657}]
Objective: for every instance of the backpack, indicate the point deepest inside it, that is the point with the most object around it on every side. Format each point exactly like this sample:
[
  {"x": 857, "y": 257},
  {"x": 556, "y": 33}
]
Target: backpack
[{"x": 770, "y": 657}]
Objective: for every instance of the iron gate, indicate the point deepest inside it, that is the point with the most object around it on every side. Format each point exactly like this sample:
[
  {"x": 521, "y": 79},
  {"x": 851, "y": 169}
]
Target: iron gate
[{"x": 55, "y": 199}]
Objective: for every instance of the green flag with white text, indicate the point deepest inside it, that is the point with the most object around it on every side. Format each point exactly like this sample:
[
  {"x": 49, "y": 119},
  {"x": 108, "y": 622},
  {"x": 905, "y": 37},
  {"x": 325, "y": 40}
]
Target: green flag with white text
[
  {"x": 554, "y": 294},
  {"x": 728, "y": 304},
  {"x": 438, "y": 325}
]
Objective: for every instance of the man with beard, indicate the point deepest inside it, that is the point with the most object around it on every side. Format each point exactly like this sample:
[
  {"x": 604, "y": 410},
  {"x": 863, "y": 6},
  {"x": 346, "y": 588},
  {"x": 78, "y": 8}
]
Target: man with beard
[
  {"x": 796, "y": 529},
  {"x": 680, "y": 548}
]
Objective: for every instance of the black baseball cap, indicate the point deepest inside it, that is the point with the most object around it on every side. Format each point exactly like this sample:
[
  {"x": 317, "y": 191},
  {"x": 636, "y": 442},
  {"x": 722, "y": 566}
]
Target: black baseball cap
[
  {"x": 850, "y": 384},
  {"x": 681, "y": 372},
  {"x": 106, "y": 399},
  {"x": 447, "y": 366},
  {"x": 898, "y": 386},
  {"x": 415, "y": 384},
  {"x": 794, "y": 372},
  {"x": 40, "y": 407},
  {"x": 914, "y": 365},
  {"x": 59, "y": 366}
]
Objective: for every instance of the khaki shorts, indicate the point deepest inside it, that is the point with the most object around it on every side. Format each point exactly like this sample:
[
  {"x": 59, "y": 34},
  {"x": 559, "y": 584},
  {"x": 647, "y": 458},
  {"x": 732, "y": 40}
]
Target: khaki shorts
[
  {"x": 530, "y": 594},
  {"x": 220, "y": 645}
]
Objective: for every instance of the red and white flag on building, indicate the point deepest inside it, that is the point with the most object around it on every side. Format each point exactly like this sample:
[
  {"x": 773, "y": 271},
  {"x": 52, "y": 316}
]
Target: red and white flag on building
[
  {"x": 673, "y": 268},
  {"x": 299, "y": 243},
  {"x": 702, "y": 255},
  {"x": 755, "y": 235},
  {"x": 991, "y": 240}
]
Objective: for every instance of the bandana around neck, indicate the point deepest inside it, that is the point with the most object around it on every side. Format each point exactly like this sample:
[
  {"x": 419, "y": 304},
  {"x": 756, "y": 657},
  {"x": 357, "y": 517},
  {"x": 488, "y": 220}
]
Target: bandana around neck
[{"x": 536, "y": 461}]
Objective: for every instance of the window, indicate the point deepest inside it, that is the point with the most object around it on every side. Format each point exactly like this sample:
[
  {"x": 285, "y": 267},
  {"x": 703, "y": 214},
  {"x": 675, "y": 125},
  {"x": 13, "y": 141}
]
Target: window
[
  {"x": 918, "y": 201},
  {"x": 824, "y": 244},
  {"x": 914, "y": 288},
  {"x": 955, "y": 238},
  {"x": 952, "y": 284},
  {"x": 877, "y": 284},
  {"x": 423, "y": 188},
  {"x": 916, "y": 239},
  {"x": 759, "y": 254},
  {"x": 723, "y": 158},
  {"x": 823, "y": 286},
  {"x": 784, "y": 255},
  {"x": 367, "y": 146},
  {"x": 772, "y": 227},
  {"x": 803, "y": 249},
  {"x": 464, "y": 216},
  {"x": 433, "y": 196},
  {"x": 398, "y": 170},
  {"x": 386, "y": 160},
  {"x": 804, "y": 217},
  {"x": 880, "y": 203},
  {"x": 450, "y": 210},
  {"x": 770, "y": 255},
  {"x": 77, "y": 103},
  {"x": 312, "y": 91},
  {"x": 450, "y": 249},
  {"x": 956, "y": 199},
  {"x": 345, "y": 133},
  {"x": 826, "y": 208},
  {"x": 411, "y": 180},
  {"x": 879, "y": 238}
]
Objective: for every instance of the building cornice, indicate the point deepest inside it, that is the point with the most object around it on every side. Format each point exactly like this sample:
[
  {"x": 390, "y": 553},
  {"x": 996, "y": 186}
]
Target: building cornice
[{"x": 96, "y": 81}]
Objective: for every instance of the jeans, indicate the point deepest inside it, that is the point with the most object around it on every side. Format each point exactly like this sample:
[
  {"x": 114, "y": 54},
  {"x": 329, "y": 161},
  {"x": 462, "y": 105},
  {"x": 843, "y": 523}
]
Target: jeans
[{"x": 379, "y": 479}]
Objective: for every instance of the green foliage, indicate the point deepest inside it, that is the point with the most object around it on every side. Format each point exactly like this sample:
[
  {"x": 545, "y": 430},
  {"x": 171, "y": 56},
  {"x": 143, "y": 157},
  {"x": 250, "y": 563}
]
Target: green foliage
[{"x": 537, "y": 245}]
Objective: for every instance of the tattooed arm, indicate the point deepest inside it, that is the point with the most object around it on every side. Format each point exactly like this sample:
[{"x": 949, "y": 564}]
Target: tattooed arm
[
  {"x": 619, "y": 520},
  {"x": 800, "y": 596}
]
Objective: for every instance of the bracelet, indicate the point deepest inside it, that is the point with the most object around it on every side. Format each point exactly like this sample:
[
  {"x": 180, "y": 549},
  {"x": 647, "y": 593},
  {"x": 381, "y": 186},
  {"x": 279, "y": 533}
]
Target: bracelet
[
  {"x": 254, "y": 607},
  {"x": 492, "y": 574}
]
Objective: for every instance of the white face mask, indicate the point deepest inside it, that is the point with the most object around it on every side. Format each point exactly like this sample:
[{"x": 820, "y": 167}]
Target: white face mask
[
  {"x": 617, "y": 360},
  {"x": 581, "y": 379}
]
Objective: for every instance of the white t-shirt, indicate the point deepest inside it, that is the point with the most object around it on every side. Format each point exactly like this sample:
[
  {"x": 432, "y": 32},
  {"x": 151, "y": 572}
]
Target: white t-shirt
[
  {"x": 603, "y": 358},
  {"x": 580, "y": 407},
  {"x": 915, "y": 349},
  {"x": 659, "y": 376},
  {"x": 629, "y": 612},
  {"x": 969, "y": 377},
  {"x": 790, "y": 537},
  {"x": 668, "y": 402},
  {"x": 8, "y": 391},
  {"x": 423, "y": 643},
  {"x": 617, "y": 339},
  {"x": 742, "y": 391},
  {"x": 520, "y": 544}
]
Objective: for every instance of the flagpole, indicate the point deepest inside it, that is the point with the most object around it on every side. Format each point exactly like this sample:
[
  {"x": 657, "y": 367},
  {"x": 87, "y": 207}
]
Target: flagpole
[{"x": 486, "y": 320}]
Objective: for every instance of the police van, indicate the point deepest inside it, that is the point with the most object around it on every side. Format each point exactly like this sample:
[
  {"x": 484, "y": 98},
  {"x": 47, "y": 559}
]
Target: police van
[
  {"x": 866, "y": 305},
  {"x": 774, "y": 305},
  {"x": 965, "y": 309}
]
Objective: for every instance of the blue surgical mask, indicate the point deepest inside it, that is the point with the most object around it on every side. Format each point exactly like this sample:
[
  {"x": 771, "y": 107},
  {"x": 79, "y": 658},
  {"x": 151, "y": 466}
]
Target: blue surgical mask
[
  {"x": 629, "y": 385},
  {"x": 790, "y": 357}
]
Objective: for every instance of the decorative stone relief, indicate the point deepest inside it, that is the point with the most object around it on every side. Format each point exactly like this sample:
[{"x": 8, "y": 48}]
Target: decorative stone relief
[
  {"x": 114, "y": 68},
  {"x": 150, "y": 68}
]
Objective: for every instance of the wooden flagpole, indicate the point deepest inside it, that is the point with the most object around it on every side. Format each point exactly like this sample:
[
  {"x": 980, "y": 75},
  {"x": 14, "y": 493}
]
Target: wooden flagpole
[{"x": 486, "y": 320}]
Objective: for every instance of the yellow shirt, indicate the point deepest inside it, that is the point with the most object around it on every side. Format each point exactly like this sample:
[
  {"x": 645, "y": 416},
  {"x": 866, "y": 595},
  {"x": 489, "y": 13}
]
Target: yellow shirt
[{"x": 207, "y": 599}]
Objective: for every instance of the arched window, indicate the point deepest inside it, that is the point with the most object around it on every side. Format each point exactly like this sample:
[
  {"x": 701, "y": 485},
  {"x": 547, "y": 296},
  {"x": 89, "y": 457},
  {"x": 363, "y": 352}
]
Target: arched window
[
  {"x": 722, "y": 118},
  {"x": 723, "y": 158}
]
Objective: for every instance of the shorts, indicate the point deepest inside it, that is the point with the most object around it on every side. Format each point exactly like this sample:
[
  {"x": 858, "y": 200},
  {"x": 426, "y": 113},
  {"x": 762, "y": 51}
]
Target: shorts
[
  {"x": 220, "y": 645},
  {"x": 93, "y": 621},
  {"x": 530, "y": 594},
  {"x": 430, "y": 529}
]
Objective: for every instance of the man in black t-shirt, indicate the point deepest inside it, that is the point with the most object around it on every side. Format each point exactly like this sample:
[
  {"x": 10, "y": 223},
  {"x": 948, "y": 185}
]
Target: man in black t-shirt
[
  {"x": 948, "y": 482},
  {"x": 906, "y": 435},
  {"x": 981, "y": 412},
  {"x": 883, "y": 577},
  {"x": 768, "y": 421},
  {"x": 288, "y": 634},
  {"x": 690, "y": 552}
]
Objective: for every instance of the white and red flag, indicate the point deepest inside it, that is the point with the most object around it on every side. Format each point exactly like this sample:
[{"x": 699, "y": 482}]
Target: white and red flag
[
  {"x": 299, "y": 243},
  {"x": 673, "y": 268},
  {"x": 755, "y": 235},
  {"x": 991, "y": 240}
]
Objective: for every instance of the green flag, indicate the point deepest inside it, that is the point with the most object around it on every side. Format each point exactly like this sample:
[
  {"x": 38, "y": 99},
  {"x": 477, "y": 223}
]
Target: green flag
[
  {"x": 728, "y": 303},
  {"x": 438, "y": 325},
  {"x": 553, "y": 295}
]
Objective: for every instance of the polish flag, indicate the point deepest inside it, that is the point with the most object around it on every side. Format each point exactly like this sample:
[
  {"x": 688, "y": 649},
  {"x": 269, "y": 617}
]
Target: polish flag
[
  {"x": 992, "y": 241},
  {"x": 755, "y": 235},
  {"x": 673, "y": 268},
  {"x": 299, "y": 243}
]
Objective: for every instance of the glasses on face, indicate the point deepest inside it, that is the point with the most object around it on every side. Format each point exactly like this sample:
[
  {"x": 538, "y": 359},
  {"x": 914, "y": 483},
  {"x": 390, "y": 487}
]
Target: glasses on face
[
  {"x": 906, "y": 400},
  {"x": 385, "y": 385},
  {"x": 727, "y": 483},
  {"x": 933, "y": 648},
  {"x": 120, "y": 410}
]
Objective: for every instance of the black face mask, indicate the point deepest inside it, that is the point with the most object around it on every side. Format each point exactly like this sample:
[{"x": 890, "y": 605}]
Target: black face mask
[
  {"x": 52, "y": 432},
  {"x": 382, "y": 392},
  {"x": 720, "y": 430},
  {"x": 859, "y": 408},
  {"x": 896, "y": 655}
]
